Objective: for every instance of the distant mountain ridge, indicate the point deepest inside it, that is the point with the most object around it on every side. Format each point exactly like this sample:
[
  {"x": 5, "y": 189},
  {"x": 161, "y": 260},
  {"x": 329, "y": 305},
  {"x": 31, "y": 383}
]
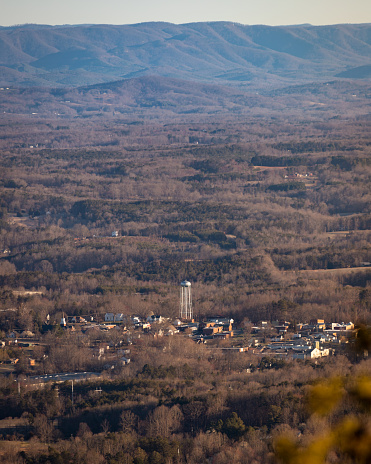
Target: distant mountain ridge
[{"x": 213, "y": 52}]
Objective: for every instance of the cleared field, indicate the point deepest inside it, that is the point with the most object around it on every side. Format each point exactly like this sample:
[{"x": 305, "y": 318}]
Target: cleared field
[
  {"x": 8, "y": 446},
  {"x": 345, "y": 233},
  {"x": 342, "y": 270}
]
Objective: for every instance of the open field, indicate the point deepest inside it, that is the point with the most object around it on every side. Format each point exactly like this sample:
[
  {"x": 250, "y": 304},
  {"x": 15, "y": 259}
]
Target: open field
[{"x": 338, "y": 271}]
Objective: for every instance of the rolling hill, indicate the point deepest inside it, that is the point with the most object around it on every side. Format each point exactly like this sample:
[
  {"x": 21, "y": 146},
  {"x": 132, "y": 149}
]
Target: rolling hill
[
  {"x": 126, "y": 96},
  {"x": 165, "y": 97}
]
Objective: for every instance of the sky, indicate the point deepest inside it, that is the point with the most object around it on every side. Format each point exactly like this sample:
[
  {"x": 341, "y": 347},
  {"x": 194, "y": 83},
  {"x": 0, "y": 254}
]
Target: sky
[{"x": 270, "y": 12}]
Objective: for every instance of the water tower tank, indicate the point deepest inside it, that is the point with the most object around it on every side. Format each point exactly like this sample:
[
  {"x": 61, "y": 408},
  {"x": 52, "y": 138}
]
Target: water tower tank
[{"x": 186, "y": 311}]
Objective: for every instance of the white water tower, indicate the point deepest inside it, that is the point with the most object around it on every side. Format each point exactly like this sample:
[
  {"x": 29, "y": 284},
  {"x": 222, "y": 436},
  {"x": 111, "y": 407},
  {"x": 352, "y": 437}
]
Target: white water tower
[{"x": 186, "y": 311}]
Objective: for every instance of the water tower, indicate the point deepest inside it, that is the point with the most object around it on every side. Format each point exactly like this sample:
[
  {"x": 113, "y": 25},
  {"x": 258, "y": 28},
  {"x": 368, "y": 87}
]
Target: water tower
[{"x": 186, "y": 311}]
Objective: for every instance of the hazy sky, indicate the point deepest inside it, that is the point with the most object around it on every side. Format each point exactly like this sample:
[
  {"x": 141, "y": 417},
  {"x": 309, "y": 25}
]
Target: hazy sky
[{"x": 272, "y": 12}]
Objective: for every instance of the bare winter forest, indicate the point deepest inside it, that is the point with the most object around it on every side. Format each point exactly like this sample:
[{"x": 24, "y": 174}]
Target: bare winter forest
[{"x": 113, "y": 194}]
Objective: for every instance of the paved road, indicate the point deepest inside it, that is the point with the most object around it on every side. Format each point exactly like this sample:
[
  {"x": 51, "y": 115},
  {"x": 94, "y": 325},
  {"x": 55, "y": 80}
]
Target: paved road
[{"x": 62, "y": 377}]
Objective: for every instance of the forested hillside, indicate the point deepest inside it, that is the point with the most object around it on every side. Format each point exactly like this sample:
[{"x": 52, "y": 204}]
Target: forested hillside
[
  {"x": 113, "y": 194},
  {"x": 254, "y": 56},
  {"x": 242, "y": 203}
]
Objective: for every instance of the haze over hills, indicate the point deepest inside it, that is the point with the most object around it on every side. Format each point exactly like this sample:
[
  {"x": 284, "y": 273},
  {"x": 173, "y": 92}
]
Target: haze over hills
[
  {"x": 216, "y": 52},
  {"x": 166, "y": 97},
  {"x": 147, "y": 93}
]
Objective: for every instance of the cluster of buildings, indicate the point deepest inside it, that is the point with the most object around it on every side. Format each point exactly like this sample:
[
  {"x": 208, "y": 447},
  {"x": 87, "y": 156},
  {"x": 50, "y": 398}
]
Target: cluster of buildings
[
  {"x": 298, "y": 175},
  {"x": 308, "y": 341},
  {"x": 277, "y": 339},
  {"x": 214, "y": 326}
]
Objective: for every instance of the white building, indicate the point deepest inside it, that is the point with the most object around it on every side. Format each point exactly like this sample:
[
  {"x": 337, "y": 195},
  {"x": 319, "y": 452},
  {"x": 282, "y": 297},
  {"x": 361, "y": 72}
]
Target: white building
[
  {"x": 155, "y": 318},
  {"x": 309, "y": 352},
  {"x": 340, "y": 327}
]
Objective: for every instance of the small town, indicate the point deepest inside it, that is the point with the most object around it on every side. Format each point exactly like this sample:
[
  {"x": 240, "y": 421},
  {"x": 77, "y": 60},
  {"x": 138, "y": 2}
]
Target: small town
[
  {"x": 116, "y": 339},
  {"x": 185, "y": 230}
]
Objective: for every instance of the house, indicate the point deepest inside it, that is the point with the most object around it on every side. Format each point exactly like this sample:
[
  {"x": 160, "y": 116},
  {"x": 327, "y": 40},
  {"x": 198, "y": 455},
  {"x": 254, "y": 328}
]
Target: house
[
  {"x": 188, "y": 328},
  {"x": 212, "y": 330},
  {"x": 224, "y": 335},
  {"x": 225, "y": 321},
  {"x": 316, "y": 321},
  {"x": 27, "y": 334},
  {"x": 100, "y": 350},
  {"x": 144, "y": 326},
  {"x": 319, "y": 337},
  {"x": 317, "y": 324},
  {"x": 308, "y": 352},
  {"x": 109, "y": 317},
  {"x": 124, "y": 352},
  {"x": 340, "y": 327},
  {"x": 119, "y": 317},
  {"x": 170, "y": 330},
  {"x": 281, "y": 323},
  {"x": 78, "y": 319},
  {"x": 107, "y": 327},
  {"x": 155, "y": 319}
]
